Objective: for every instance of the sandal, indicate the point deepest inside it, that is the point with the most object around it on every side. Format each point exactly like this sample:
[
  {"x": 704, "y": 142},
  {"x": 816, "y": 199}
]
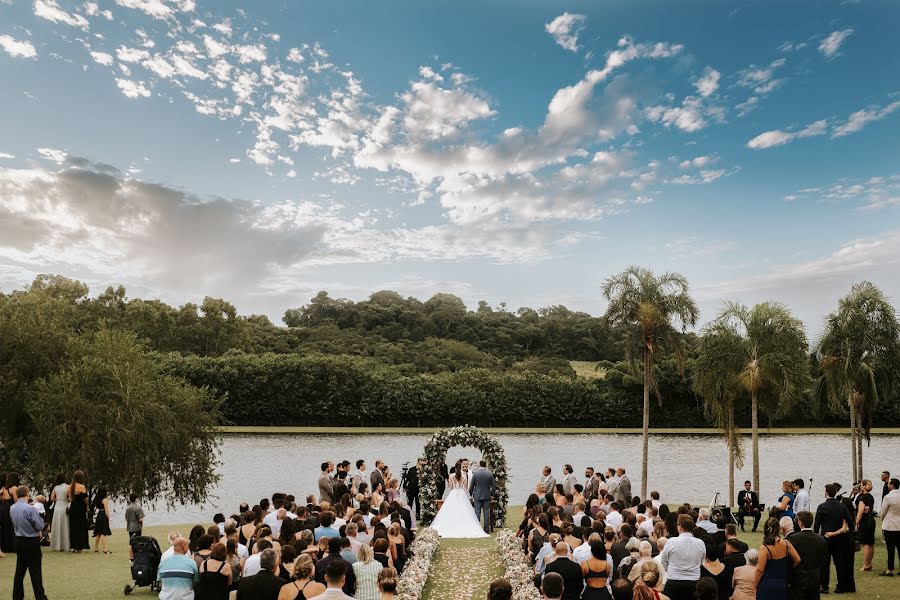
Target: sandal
[{"x": 887, "y": 574}]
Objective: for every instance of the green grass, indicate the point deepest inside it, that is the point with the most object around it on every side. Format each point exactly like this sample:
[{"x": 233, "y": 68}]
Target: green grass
[
  {"x": 587, "y": 369},
  {"x": 462, "y": 569}
]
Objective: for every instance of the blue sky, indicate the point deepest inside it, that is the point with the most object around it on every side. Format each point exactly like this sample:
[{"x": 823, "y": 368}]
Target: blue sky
[{"x": 516, "y": 152}]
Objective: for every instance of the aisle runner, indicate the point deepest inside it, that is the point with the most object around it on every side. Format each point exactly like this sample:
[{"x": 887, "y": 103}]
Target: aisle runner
[{"x": 463, "y": 570}]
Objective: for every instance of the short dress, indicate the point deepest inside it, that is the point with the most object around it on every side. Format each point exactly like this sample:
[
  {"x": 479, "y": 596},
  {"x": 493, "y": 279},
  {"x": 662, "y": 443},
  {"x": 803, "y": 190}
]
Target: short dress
[
  {"x": 101, "y": 523},
  {"x": 866, "y": 530}
]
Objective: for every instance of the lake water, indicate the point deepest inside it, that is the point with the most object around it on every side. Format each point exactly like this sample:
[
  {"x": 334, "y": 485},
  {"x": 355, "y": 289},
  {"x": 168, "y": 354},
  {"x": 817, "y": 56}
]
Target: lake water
[{"x": 683, "y": 468}]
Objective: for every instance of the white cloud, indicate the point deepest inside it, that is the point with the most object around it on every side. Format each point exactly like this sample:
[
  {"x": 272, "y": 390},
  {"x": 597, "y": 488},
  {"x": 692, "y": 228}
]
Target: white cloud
[
  {"x": 16, "y": 48},
  {"x": 855, "y": 122},
  {"x": 565, "y": 29},
  {"x": 6, "y": 155},
  {"x": 770, "y": 139},
  {"x": 57, "y": 156},
  {"x": 50, "y": 10},
  {"x": 761, "y": 81},
  {"x": 870, "y": 194},
  {"x": 92, "y": 9},
  {"x": 708, "y": 82},
  {"x": 214, "y": 47},
  {"x": 832, "y": 42},
  {"x": 132, "y": 89},
  {"x": 131, "y": 55},
  {"x": 160, "y": 66},
  {"x": 102, "y": 58},
  {"x": 157, "y": 9},
  {"x": 691, "y": 116},
  {"x": 861, "y": 118},
  {"x": 234, "y": 161},
  {"x": 698, "y": 161},
  {"x": 250, "y": 53}
]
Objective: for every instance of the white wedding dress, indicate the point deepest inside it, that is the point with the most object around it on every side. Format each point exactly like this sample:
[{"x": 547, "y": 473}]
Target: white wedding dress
[{"x": 457, "y": 519}]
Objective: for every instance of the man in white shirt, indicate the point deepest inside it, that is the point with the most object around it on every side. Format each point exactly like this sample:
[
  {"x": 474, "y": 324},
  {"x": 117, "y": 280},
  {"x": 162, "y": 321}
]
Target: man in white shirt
[
  {"x": 252, "y": 565},
  {"x": 704, "y": 522},
  {"x": 681, "y": 560},
  {"x": 801, "y": 500},
  {"x": 171, "y": 549},
  {"x": 351, "y": 532},
  {"x": 614, "y": 517},
  {"x": 231, "y": 533},
  {"x": 654, "y": 499},
  {"x": 546, "y": 551},
  {"x": 579, "y": 513},
  {"x": 645, "y": 523},
  {"x": 275, "y": 519}
]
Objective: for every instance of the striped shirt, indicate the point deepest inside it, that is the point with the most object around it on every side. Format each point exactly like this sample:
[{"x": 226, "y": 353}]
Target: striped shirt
[
  {"x": 178, "y": 574},
  {"x": 367, "y": 580}
]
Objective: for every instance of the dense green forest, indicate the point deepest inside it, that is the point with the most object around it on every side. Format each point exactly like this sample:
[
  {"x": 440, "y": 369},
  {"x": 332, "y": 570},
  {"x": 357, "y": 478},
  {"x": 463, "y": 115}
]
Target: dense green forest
[{"x": 384, "y": 360}]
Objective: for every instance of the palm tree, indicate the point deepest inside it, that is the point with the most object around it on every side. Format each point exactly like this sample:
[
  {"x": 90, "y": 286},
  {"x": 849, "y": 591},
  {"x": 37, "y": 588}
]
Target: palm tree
[
  {"x": 715, "y": 378},
  {"x": 657, "y": 310},
  {"x": 858, "y": 357},
  {"x": 767, "y": 352}
]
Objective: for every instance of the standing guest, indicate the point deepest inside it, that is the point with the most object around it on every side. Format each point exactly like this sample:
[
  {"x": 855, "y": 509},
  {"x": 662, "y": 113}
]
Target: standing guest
[
  {"x": 704, "y": 523},
  {"x": 886, "y": 488},
  {"x": 59, "y": 527},
  {"x": 412, "y": 487},
  {"x": 786, "y": 525},
  {"x": 552, "y": 586},
  {"x": 234, "y": 557},
  {"x": 813, "y": 553},
  {"x": 326, "y": 483},
  {"x": 596, "y": 571},
  {"x": 177, "y": 573},
  {"x": 713, "y": 568},
  {"x": 387, "y": 583},
  {"x": 134, "y": 517},
  {"x": 340, "y": 485},
  {"x": 786, "y": 500},
  {"x": 775, "y": 557},
  {"x": 366, "y": 571},
  {"x": 622, "y": 589},
  {"x": 565, "y": 567},
  {"x": 681, "y": 559},
  {"x": 215, "y": 575},
  {"x": 801, "y": 496},
  {"x": 865, "y": 523},
  {"x": 265, "y": 585},
  {"x": 744, "y": 579},
  {"x": 890, "y": 523},
  {"x": 500, "y": 589},
  {"x": 648, "y": 583},
  {"x": 303, "y": 585},
  {"x": 623, "y": 488},
  {"x": 398, "y": 546},
  {"x": 548, "y": 480},
  {"x": 614, "y": 518},
  {"x": 748, "y": 506},
  {"x": 27, "y": 526},
  {"x": 325, "y": 529},
  {"x": 7, "y": 499},
  {"x": 707, "y": 589},
  {"x": 833, "y": 521},
  {"x": 569, "y": 480},
  {"x": 335, "y": 580},
  {"x": 359, "y": 477},
  {"x": 591, "y": 484},
  {"x": 78, "y": 512},
  {"x": 377, "y": 476},
  {"x": 101, "y": 521}
]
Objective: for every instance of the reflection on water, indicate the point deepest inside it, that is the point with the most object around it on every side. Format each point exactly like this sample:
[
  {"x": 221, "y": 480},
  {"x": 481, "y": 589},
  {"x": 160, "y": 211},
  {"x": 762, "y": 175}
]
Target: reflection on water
[{"x": 690, "y": 468}]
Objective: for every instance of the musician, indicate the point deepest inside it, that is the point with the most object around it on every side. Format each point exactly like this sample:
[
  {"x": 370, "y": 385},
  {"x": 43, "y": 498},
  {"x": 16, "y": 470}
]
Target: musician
[{"x": 748, "y": 505}]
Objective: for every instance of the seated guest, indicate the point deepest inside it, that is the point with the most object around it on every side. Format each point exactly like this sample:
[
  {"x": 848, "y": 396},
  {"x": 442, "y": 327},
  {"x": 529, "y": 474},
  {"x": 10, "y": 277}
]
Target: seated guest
[
  {"x": 713, "y": 568},
  {"x": 265, "y": 585},
  {"x": 366, "y": 570},
  {"x": 336, "y": 581},
  {"x": 573, "y": 582},
  {"x": 744, "y": 579},
  {"x": 178, "y": 573},
  {"x": 622, "y": 589},
  {"x": 252, "y": 565},
  {"x": 748, "y": 506},
  {"x": 731, "y": 534},
  {"x": 302, "y": 584},
  {"x": 552, "y": 586},
  {"x": 704, "y": 522},
  {"x": 334, "y": 555},
  {"x": 387, "y": 583},
  {"x": 325, "y": 529},
  {"x": 500, "y": 589}
]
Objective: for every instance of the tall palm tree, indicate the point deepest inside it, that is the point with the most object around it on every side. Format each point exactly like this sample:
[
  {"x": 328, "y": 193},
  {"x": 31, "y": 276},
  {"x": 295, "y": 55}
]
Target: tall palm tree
[
  {"x": 768, "y": 352},
  {"x": 858, "y": 357},
  {"x": 715, "y": 378},
  {"x": 657, "y": 310}
]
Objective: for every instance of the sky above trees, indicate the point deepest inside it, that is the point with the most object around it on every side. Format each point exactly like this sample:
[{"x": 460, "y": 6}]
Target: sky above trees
[{"x": 516, "y": 152}]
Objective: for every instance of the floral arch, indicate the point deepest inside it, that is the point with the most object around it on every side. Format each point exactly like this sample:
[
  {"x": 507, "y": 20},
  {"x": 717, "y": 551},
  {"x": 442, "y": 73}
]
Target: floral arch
[{"x": 436, "y": 454}]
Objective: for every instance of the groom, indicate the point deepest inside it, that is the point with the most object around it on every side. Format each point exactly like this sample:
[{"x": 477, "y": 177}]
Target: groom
[{"x": 481, "y": 488}]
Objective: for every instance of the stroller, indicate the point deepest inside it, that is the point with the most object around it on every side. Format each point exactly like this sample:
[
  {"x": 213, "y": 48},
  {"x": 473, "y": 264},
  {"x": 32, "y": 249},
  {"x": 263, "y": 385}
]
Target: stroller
[{"x": 145, "y": 564}]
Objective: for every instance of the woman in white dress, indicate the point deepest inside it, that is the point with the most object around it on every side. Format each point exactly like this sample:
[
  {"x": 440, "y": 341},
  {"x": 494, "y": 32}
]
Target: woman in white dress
[
  {"x": 59, "y": 527},
  {"x": 457, "y": 519}
]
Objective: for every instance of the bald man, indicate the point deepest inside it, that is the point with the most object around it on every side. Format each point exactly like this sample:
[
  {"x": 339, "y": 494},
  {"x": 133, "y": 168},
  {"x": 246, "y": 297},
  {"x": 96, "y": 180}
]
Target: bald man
[{"x": 565, "y": 567}]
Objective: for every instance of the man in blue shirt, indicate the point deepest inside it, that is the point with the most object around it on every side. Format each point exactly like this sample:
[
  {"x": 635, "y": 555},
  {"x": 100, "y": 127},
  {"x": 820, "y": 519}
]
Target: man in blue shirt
[
  {"x": 178, "y": 573},
  {"x": 28, "y": 525}
]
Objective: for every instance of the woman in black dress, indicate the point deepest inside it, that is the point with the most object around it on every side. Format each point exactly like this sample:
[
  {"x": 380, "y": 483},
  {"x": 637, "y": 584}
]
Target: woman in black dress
[
  {"x": 865, "y": 523},
  {"x": 215, "y": 575},
  {"x": 78, "y": 514},
  {"x": 7, "y": 499},
  {"x": 101, "y": 521}
]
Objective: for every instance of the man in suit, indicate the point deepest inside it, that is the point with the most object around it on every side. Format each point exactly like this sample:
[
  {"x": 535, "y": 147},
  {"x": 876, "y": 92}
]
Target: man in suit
[
  {"x": 265, "y": 585},
  {"x": 569, "y": 480},
  {"x": 326, "y": 483},
  {"x": 377, "y": 476},
  {"x": 323, "y": 565},
  {"x": 335, "y": 581},
  {"x": 481, "y": 488},
  {"x": 623, "y": 489},
  {"x": 339, "y": 487},
  {"x": 412, "y": 487},
  {"x": 552, "y": 587},
  {"x": 573, "y": 580},
  {"x": 748, "y": 506},
  {"x": 885, "y": 479},
  {"x": 591, "y": 484},
  {"x": 548, "y": 480},
  {"x": 812, "y": 548},
  {"x": 834, "y": 522}
]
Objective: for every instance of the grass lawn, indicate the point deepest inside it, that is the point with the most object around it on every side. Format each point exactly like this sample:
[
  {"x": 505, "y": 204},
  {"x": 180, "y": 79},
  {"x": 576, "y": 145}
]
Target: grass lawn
[
  {"x": 462, "y": 569},
  {"x": 587, "y": 369}
]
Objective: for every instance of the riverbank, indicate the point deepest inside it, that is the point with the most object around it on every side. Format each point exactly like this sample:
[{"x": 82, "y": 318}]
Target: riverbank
[{"x": 265, "y": 429}]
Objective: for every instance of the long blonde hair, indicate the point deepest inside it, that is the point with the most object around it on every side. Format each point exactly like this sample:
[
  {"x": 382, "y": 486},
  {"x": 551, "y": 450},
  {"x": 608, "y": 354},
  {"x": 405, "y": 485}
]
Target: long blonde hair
[{"x": 366, "y": 555}]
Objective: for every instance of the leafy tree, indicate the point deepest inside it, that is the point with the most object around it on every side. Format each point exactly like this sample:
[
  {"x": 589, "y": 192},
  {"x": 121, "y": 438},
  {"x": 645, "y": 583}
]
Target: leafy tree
[
  {"x": 112, "y": 412},
  {"x": 658, "y": 310},
  {"x": 767, "y": 348},
  {"x": 859, "y": 357}
]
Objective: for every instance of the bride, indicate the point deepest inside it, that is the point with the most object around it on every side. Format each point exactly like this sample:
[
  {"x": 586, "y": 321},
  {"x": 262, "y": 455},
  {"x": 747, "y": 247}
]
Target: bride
[{"x": 456, "y": 518}]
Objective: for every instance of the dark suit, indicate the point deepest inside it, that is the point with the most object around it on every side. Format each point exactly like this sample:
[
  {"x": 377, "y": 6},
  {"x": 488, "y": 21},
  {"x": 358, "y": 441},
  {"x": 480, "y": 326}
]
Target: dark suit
[
  {"x": 339, "y": 489},
  {"x": 412, "y": 490},
  {"x": 573, "y": 580},
  {"x": 807, "y": 576},
  {"x": 831, "y": 515},
  {"x": 748, "y": 507},
  {"x": 262, "y": 586},
  {"x": 618, "y": 552},
  {"x": 742, "y": 549},
  {"x": 481, "y": 489},
  {"x": 322, "y": 566}
]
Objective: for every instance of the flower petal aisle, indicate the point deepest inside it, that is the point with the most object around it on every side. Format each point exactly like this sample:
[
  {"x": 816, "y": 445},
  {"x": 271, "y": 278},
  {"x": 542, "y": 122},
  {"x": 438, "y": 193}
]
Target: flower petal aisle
[
  {"x": 415, "y": 574},
  {"x": 519, "y": 573}
]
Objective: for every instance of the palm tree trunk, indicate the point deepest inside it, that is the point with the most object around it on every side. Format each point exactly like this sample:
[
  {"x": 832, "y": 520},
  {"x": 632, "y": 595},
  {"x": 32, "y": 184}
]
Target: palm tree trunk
[
  {"x": 853, "y": 438},
  {"x": 646, "y": 425},
  {"x": 859, "y": 450},
  {"x": 754, "y": 410},
  {"x": 731, "y": 452}
]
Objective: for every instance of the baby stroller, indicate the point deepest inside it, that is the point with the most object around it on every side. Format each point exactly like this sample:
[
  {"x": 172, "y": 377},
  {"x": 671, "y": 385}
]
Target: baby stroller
[{"x": 145, "y": 564}]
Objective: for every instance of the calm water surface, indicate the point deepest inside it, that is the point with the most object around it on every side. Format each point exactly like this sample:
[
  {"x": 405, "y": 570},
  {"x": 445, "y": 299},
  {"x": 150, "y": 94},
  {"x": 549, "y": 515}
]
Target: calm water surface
[{"x": 691, "y": 468}]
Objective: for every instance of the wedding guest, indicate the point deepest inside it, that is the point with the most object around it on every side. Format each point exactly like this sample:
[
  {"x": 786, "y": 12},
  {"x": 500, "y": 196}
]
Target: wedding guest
[
  {"x": 7, "y": 500},
  {"x": 102, "y": 531},
  {"x": 203, "y": 548},
  {"x": 387, "y": 583},
  {"x": 234, "y": 557},
  {"x": 59, "y": 527},
  {"x": 377, "y": 476},
  {"x": 547, "y": 480},
  {"x": 500, "y": 589},
  {"x": 786, "y": 500},
  {"x": 303, "y": 586},
  {"x": 865, "y": 523},
  {"x": 380, "y": 549},
  {"x": 681, "y": 560},
  {"x": 834, "y": 522},
  {"x": 215, "y": 575},
  {"x": 744, "y": 579},
  {"x": 177, "y": 573},
  {"x": 27, "y": 527},
  {"x": 326, "y": 529},
  {"x": 552, "y": 586},
  {"x": 595, "y": 571},
  {"x": 571, "y": 573},
  {"x": 648, "y": 583},
  {"x": 78, "y": 513},
  {"x": 134, "y": 517},
  {"x": 704, "y": 522},
  {"x": 801, "y": 496},
  {"x": 886, "y": 480},
  {"x": 623, "y": 487},
  {"x": 713, "y": 568},
  {"x": 265, "y": 585},
  {"x": 366, "y": 571},
  {"x": 326, "y": 483},
  {"x": 813, "y": 553},
  {"x": 336, "y": 581},
  {"x": 776, "y": 557},
  {"x": 890, "y": 523},
  {"x": 706, "y": 589}
]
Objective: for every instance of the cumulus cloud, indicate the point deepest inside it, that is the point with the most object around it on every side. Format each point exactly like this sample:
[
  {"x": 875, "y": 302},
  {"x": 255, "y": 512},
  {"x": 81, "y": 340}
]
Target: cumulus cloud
[
  {"x": 869, "y": 194},
  {"x": 50, "y": 10},
  {"x": 102, "y": 58},
  {"x": 830, "y": 46},
  {"x": 761, "y": 81},
  {"x": 158, "y": 9},
  {"x": 708, "y": 82},
  {"x": 16, "y": 48},
  {"x": 132, "y": 89},
  {"x": 855, "y": 122},
  {"x": 565, "y": 29}
]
